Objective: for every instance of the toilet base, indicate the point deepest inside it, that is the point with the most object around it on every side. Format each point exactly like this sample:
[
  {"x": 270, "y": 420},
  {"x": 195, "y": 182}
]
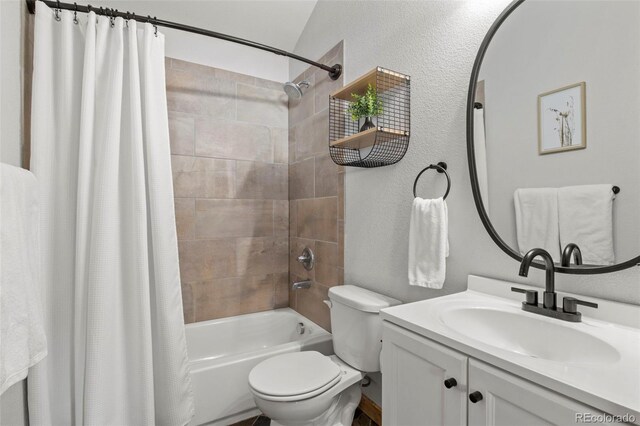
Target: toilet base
[{"x": 340, "y": 413}]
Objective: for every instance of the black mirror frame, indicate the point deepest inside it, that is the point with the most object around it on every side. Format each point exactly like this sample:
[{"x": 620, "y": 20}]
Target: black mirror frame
[{"x": 475, "y": 187}]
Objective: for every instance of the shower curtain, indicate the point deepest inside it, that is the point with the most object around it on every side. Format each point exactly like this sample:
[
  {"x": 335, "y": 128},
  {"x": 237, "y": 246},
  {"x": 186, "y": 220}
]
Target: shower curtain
[{"x": 111, "y": 282}]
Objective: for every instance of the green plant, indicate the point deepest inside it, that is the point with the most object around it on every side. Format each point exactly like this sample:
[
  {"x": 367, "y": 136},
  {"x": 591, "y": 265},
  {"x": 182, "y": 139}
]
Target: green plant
[{"x": 367, "y": 105}]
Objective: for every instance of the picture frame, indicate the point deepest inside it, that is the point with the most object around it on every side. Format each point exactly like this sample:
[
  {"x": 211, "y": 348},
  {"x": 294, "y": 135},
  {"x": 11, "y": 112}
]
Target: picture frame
[{"x": 562, "y": 119}]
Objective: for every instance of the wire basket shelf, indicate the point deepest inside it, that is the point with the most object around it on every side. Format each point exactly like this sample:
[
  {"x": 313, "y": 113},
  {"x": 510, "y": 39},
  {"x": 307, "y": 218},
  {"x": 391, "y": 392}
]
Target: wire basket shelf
[{"x": 385, "y": 143}]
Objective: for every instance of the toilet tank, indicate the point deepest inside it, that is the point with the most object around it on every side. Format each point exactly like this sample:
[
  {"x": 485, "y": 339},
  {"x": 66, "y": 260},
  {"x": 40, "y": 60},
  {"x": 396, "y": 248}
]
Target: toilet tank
[{"x": 356, "y": 325}]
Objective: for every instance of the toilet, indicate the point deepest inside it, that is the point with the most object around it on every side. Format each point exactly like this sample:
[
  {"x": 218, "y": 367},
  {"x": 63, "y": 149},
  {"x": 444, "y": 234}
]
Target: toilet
[{"x": 308, "y": 388}]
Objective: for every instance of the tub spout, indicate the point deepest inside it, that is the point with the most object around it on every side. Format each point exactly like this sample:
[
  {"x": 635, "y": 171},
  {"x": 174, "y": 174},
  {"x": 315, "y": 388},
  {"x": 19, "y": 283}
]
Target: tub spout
[{"x": 301, "y": 284}]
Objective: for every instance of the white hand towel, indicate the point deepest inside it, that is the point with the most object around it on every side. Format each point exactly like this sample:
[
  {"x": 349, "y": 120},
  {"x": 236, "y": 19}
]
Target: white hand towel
[
  {"x": 22, "y": 338},
  {"x": 537, "y": 220},
  {"x": 586, "y": 219},
  {"x": 428, "y": 242}
]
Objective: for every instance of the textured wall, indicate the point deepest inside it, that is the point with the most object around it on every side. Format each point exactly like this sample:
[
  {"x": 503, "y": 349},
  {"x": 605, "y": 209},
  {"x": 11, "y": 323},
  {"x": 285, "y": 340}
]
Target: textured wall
[
  {"x": 316, "y": 193},
  {"x": 435, "y": 42},
  {"x": 229, "y": 159}
]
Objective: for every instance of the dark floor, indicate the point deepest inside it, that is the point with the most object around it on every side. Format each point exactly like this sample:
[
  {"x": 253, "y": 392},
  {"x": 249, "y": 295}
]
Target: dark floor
[{"x": 360, "y": 419}]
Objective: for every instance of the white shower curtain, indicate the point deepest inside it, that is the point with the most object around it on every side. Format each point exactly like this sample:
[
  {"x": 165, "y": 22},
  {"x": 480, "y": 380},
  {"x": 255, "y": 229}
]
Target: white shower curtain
[{"x": 111, "y": 286}]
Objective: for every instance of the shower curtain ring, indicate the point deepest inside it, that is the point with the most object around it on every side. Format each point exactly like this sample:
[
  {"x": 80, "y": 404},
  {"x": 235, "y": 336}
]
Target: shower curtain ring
[
  {"x": 155, "y": 27},
  {"x": 57, "y": 11},
  {"x": 112, "y": 17},
  {"x": 75, "y": 13}
]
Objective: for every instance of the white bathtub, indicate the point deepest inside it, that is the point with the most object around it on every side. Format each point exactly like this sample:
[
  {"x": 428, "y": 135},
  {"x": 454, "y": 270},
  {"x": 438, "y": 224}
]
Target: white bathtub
[{"x": 222, "y": 353}]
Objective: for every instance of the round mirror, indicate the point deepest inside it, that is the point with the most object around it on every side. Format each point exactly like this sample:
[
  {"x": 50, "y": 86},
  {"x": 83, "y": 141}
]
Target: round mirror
[{"x": 553, "y": 132}]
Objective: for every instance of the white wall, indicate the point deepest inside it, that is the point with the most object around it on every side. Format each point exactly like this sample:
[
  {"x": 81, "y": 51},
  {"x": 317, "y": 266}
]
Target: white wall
[
  {"x": 12, "y": 21},
  {"x": 522, "y": 63},
  {"x": 225, "y": 55},
  {"x": 435, "y": 42}
]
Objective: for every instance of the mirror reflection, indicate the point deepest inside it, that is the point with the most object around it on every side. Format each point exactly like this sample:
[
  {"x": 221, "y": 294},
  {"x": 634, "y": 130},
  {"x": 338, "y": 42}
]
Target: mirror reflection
[{"x": 557, "y": 129}]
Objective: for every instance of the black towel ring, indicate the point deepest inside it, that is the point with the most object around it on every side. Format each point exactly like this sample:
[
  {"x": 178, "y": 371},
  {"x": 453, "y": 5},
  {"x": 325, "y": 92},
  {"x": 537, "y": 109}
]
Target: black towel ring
[{"x": 441, "y": 167}]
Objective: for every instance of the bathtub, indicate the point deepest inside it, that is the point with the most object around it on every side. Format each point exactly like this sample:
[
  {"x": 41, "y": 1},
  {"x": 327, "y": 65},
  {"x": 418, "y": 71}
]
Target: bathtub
[{"x": 222, "y": 352}]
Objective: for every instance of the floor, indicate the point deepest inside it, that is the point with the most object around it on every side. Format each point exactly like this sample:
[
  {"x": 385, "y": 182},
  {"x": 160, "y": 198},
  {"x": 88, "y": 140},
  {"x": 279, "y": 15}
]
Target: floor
[{"x": 360, "y": 419}]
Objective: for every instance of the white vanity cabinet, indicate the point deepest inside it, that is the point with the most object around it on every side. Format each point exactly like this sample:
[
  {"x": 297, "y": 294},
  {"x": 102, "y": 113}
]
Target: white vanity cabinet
[
  {"x": 414, "y": 370},
  {"x": 508, "y": 400},
  {"x": 414, "y": 393}
]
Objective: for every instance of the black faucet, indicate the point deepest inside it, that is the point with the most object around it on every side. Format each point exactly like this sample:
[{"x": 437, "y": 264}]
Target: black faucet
[
  {"x": 548, "y": 307},
  {"x": 570, "y": 249},
  {"x": 549, "y": 297}
]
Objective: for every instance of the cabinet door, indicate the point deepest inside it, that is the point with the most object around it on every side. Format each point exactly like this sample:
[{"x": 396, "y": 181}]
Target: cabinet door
[
  {"x": 413, "y": 371},
  {"x": 508, "y": 400}
]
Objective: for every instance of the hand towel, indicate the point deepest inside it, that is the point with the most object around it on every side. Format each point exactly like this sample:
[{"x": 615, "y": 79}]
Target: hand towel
[
  {"x": 428, "y": 242},
  {"x": 22, "y": 338},
  {"x": 537, "y": 220},
  {"x": 586, "y": 219}
]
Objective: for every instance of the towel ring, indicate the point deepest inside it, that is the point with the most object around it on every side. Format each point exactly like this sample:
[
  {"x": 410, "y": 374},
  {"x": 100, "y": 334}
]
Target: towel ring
[{"x": 441, "y": 167}]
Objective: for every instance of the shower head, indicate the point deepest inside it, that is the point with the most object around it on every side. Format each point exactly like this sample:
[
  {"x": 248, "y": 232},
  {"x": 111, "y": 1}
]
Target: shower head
[{"x": 294, "y": 90}]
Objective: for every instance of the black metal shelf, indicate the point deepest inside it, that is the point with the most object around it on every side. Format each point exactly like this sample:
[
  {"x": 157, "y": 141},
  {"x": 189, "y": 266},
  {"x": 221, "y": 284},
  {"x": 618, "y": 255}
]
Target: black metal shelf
[{"x": 388, "y": 141}]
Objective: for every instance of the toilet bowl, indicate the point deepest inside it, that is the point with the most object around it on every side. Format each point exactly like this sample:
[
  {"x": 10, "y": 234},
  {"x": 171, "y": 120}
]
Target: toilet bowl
[
  {"x": 311, "y": 389},
  {"x": 306, "y": 388}
]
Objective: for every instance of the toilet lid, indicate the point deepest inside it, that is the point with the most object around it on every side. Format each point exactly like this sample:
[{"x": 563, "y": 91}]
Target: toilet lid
[{"x": 294, "y": 374}]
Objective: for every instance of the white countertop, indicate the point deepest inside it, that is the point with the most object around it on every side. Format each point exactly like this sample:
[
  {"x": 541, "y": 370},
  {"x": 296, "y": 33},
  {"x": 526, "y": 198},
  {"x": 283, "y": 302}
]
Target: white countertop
[{"x": 612, "y": 387}]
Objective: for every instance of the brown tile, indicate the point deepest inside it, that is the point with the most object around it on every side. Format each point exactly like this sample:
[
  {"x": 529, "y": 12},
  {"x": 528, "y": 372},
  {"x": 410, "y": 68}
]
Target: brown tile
[
  {"x": 292, "y": 144},
  {"x": 227, "y": 297},
  {"x": 281, "y": 218},
  {"x": 206, "y": 259},
  {"x": 296, "y": 245},
  {"x": 326, "y": 263},
  {"x": 293, "y": 218},
  {"x": 281, "y": 282},
  {"x": 341, "y": 195},
  {"x": 312, "y": 135},
  {"x": 234, "y": 218},
  {"x": 280, "y": 141},
  {"x": 194, "y": 70},
  {"x": 326, "y": 176},
  {"x": 182, "y": 133},
  {"x": 268, "y": 84},
  {"x": 185, "y": 218},
  {"x": 262, "y": 106},
  {"x": 309, "y": 302},
  {"x": 317, "y": 219},
  {"x": 262, "y": 180},
  {"x": 187, "y": 304},
  {"x": 301, "y": 179},
  {"x": 325, "y": 86},
  {"x": 233, "y": 140},
  {"x": 203, "y": 177},
  {"x": 200, "y": 95},
  {"x": 233, "y": 76},
  {"x": 262, "y": 256}
]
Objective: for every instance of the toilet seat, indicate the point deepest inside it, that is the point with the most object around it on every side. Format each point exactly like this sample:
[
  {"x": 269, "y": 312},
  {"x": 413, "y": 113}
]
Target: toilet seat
[{"x": 294, "y": 376}]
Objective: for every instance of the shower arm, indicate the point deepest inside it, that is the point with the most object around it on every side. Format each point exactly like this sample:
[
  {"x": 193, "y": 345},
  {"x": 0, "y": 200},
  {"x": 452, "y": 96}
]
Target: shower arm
[{"x": 334, "y": 71}]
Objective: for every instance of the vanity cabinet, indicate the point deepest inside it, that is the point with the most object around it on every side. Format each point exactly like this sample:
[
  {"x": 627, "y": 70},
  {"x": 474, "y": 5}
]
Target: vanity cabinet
[
  {"x": 508, "y": 400},
  {"x": 414, "y": 370},
  {"x": 414, "y": 393}
]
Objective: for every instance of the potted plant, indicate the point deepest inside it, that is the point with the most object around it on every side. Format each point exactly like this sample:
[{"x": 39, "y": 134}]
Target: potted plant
[{"x": 367, "y": 106}]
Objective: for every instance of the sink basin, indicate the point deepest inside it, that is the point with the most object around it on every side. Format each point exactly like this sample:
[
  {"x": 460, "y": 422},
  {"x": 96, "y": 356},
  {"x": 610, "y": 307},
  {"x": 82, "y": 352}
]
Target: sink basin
[{"x": 520, "y": 333}]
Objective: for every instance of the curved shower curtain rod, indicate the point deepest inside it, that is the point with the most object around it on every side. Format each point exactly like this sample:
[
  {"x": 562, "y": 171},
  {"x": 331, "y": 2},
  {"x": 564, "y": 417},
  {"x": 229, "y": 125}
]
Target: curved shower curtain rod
[{"x": 334, "y": 71}]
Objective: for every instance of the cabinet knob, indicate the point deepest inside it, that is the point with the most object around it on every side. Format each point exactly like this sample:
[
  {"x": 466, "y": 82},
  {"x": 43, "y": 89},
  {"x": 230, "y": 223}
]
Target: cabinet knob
[
  {"x": 475, "y": 396},
  {"x": 449, "y": 383}
]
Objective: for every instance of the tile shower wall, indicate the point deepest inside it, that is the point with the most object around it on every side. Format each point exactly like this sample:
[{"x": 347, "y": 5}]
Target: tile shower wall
[
  {"x": 316, "y": 193},
  {"x": 229, "y": 146}
]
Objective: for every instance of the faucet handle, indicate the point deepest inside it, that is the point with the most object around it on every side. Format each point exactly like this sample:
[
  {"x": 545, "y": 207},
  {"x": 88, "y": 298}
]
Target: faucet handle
[
  {"x": 570, "y": 304},
  {"x": 531, "y": 296}
]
